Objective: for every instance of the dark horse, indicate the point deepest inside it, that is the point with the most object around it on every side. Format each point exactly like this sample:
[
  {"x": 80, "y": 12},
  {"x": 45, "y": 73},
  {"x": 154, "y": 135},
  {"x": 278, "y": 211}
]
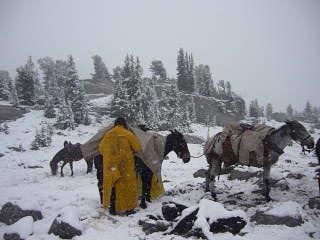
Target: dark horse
[
  {"x": 173, "y": 142},
  {"x": 274, "y": 145},
  {"x": 68, "y": 154},
  {"x": 318, "y": 156}
]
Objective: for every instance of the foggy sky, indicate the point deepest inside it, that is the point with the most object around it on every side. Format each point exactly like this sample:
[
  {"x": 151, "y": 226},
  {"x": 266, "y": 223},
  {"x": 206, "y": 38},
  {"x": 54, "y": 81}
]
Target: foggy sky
[{"x": 269, "y": 50}]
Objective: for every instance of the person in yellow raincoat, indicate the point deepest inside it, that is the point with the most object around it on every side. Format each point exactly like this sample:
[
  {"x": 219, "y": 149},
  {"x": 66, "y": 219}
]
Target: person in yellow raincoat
[{"x": 119, "y": 176}]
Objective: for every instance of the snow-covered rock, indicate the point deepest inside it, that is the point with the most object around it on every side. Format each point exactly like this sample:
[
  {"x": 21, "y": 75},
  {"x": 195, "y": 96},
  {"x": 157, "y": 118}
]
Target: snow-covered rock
[
  {"x": 23, "y": 227},
  {"x": 67, "y": 224},
  {"x": 287, "y": 213}
]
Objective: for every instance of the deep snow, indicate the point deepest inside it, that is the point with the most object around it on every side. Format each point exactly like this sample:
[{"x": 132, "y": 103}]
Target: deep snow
[{"x": 36, "y": 188}]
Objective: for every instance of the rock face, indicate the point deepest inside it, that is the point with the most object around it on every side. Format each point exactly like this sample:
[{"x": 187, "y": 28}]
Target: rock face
[
  {"x": 288, "y": 214},
  {"x": 63, "y": 230},
  {"x": 11, "y": 213},
  {"x": 223, "y": 111}
]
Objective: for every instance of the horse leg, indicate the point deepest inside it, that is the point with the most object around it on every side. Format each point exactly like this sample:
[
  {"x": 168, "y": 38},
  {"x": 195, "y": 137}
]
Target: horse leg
[
  {"x": 64, "y": 163},
  {"x": 98, "y": 163},
  {"x": 266, "y": 180},
  {"x": 146, "y": 179},
  {"x": 214, "y": 170},
  {"x": 89, "y": 165},
  {"x": 71, "y": 167}
]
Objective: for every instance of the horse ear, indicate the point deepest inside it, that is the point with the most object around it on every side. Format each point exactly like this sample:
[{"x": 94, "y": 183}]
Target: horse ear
[
  {"x": 287, "y": 121},
  {"x": 171, "y": 131},
  {"x": 65, "y": 144}
]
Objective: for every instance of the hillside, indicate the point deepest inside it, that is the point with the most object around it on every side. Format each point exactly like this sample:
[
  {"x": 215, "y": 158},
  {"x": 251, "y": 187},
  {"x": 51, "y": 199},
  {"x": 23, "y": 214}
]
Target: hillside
[{"x": 26, "y": 180}]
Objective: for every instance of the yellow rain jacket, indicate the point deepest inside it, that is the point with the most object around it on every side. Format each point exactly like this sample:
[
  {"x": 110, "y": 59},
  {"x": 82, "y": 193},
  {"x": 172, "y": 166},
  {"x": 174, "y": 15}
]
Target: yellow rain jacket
[{"x": 117, "y": 148}]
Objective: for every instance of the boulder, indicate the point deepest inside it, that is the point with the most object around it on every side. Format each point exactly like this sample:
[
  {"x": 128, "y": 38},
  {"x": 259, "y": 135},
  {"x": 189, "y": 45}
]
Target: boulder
[
  {"x": 11, "y": 213},
  {"x": 11, "y": 236},
  {"x": 67, "y": 224},
  {"x": 172, "y": 210},
  {"x": 314, "y": 203},
  {"x": 288, "y": 213},
  {"x": 153, "y": 224},
  {"x": 201, "y": 173},
  {"x": 63, "y": 230}
]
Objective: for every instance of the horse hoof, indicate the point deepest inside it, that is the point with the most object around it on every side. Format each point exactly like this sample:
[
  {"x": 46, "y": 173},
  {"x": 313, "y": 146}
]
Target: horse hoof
[
  {"x": 148, "y": 199},
  {"x": 143, "y": 205},
  {"x": 268, "y": 199}
]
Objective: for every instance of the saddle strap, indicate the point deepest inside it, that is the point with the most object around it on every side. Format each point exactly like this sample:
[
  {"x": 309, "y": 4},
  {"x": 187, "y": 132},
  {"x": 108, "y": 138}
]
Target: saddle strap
[{"x": 272, "y": 146}]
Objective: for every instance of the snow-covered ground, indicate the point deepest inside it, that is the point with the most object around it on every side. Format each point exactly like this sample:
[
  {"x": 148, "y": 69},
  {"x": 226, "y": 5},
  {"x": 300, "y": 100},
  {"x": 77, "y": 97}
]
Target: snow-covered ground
[{"x": 36, "y": 188}]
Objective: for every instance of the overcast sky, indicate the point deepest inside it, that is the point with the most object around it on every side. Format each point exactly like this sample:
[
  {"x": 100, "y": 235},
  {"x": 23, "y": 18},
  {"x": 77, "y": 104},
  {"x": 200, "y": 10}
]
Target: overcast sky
[{"x": 269, "y": 50}]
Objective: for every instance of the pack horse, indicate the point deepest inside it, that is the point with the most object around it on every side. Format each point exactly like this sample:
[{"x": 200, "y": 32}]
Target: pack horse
[{"x": 259, "y": 146}]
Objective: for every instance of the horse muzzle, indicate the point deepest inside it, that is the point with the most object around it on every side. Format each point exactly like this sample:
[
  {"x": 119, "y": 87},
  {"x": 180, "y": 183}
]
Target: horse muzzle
[
  {"x": 308, "y": 142},
  {"x": 185, "y": 158}
]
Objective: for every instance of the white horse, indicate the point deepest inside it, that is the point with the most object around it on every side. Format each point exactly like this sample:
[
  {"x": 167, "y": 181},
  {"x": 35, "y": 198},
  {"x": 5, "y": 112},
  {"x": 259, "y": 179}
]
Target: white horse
[{"x": 274, "y": 145}]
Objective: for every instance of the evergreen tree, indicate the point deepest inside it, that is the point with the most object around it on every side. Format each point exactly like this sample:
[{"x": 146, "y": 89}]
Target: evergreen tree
[
  {"x": 49, "y": 72},
  {"x": 181, "y": 71},
  {"x": 49, "y": 111},
  {"x": 269, "y": 111},
  {"x": 222, "y": 89},
  {"x": 159, "y": 73},
  {"x": 228, "y": 89},
  {"x": 4, "y": 85},
  {"x": 307, "y": 112},
  {"x": 254, "y": 109},
  {"x": 13, "y": 98},
  {"x": 203, "y": 79},
  {"x": 74, "y": 92},
  {"x": 65, "y": 119},
  {"x": 42, "y": 138},
  {"x": 290, "y": 112},
  {"x": 25, "y": 83},
  {"x": 101, "y": 73}
]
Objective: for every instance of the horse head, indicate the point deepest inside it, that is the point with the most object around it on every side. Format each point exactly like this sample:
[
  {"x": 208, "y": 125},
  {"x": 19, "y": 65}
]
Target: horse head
[
  {"x": 300, "y": 134},
  {"x": 179, "y": 145}
]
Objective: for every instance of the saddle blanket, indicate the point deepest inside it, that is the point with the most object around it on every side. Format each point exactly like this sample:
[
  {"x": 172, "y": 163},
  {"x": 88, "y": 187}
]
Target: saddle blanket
[{"x": 152, "y": 144}]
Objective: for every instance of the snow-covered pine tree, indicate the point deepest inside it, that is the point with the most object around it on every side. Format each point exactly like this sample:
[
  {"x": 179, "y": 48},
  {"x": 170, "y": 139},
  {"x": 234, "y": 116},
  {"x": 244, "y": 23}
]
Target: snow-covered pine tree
[
  {"x": 269, "y": 111},
  {"x": 222, "y": 89},
  {"x": 74, "y": 92},
  {"x": 120, "y": 101},
  {"x": 49, "y": 111},
  {"x": 51, "y": 88},
  {"x": 254, "y": 109},
  {"x": 4, "y": 85},
  {"x": 203, "y": 78},
  {"x": 42, "y": 138},
  {"x": 25, "y": 82},
  {"x": 159, "y": 73},
  {"x": 65, "y": 118},
  {"x": 228, "y": 89},
  {"x": 290, "y": 111},
  {"x": 101, "y": 73},
  {"x": 307, "y": 112},
  {"x": 148, "y": 104},
  {"x": 181, "y": 71},
  {"x": 190, "y": 73},
  {"x": 13, "y": 98}
]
